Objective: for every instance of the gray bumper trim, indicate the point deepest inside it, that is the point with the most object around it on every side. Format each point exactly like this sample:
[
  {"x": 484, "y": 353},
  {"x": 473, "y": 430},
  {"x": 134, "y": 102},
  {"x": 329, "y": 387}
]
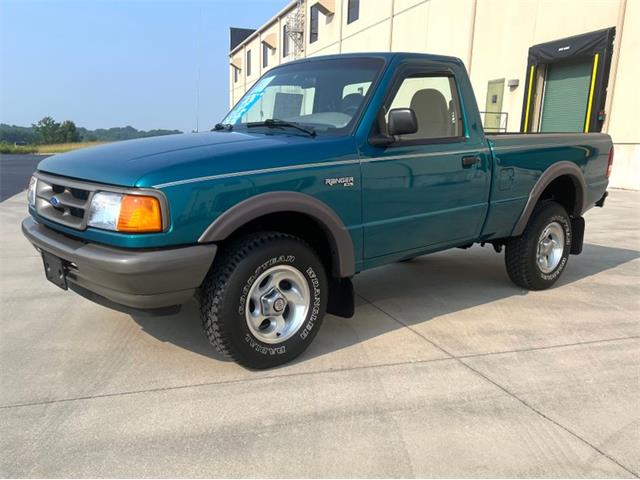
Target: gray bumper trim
[{"x": 143, "y": 279}]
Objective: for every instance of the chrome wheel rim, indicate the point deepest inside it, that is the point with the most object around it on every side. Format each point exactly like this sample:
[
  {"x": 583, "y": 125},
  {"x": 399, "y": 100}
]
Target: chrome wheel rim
[
  {"x": 277, "y": 304},
  {"x": 550, "y": 247}
]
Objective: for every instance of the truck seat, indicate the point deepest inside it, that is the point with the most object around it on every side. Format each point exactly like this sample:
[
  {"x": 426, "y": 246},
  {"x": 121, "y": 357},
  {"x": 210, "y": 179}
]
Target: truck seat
[{"x": 432, "y": 114}]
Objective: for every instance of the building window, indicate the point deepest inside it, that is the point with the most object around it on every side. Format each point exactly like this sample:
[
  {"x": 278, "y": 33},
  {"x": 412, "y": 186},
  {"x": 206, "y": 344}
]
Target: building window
[
  {"x": 313, "y": 31},
  {"x": 236, "y": 74},
  {"x": 353, "y": 11},
  {"x": 265, "y": 55},
  {"x": 285, "y": 41},
  {"x": 248, "y": 63}
]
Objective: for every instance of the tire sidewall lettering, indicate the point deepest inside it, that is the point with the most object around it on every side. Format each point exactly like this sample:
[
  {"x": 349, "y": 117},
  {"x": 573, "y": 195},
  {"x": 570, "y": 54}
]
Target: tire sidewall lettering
[
  {"x": 264, "y": 350},
  {"x": 314, "y": 283}
]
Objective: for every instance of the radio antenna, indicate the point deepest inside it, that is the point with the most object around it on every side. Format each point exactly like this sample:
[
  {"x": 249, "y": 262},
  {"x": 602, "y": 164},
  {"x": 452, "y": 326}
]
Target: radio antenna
[{"x": 199, "y": 68}]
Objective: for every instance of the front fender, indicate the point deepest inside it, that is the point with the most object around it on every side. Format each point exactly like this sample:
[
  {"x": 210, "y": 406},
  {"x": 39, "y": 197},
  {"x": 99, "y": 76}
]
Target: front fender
[{"x": 283, "y": 201}]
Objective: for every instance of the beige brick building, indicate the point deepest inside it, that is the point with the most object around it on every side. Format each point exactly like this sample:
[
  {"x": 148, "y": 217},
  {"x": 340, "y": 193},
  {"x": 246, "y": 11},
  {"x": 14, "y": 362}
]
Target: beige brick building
[{"x": 496, "y": 40}]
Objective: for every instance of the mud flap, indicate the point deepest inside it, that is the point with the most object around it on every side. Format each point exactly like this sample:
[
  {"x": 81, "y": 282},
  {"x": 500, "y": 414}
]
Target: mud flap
[
  {"x": 341, "y": 297},
  {"x": 577, "y": 232}
]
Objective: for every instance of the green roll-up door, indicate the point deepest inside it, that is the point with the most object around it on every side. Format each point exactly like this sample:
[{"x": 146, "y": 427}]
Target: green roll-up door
[{"x": 566, "y": 92}]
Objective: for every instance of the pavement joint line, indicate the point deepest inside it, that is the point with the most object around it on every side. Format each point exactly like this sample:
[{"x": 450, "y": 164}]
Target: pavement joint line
[
  {"x": 221, "y": 382},
  {"x": 505, "y": 390},
  {"x": 316, "y": 372},
  {"x": 504, "y": 352},
  {"x": 549, "y": 347},
  {"x": 549, "y": 419}
]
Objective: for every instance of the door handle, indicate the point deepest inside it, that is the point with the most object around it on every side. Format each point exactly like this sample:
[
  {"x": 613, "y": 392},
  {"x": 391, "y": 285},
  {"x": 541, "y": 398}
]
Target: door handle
[{"x": 468, "y": 162}]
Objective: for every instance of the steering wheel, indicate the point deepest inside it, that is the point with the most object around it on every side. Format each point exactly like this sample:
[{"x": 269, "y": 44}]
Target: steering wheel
[
  {"x": 350, "y": 110},
  {"x": 351, "y": 104}
]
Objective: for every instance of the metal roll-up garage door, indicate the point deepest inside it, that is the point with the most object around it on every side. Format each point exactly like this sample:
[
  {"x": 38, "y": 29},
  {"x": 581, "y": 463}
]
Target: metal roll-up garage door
[{"x": 566, "y": 92}]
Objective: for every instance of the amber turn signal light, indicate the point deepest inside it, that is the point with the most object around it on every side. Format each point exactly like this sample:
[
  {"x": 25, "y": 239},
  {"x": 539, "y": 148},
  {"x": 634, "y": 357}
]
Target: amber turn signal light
[{"x": 139, "y": 214}]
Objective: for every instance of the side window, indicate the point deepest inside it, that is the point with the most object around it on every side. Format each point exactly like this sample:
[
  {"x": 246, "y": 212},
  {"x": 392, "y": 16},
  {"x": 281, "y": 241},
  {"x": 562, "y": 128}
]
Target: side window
[
  {"x": 353, "y": 10},
  {"x": 352, "y": 97},
  {"x": 314, "y": 20},
  {"x": 285, "y": 41},
  {"x": 434, "y": 99},
  {"x": 356, "y": 88}
]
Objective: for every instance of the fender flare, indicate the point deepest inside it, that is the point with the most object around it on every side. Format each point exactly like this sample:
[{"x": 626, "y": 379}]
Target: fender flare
[
  {"x": 343, "y": 260},
  {"x": 549, "y": 175}
]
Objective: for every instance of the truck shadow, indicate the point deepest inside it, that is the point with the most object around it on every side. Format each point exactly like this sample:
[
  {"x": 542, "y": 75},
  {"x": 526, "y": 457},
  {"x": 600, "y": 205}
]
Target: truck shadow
[{"x": 418, "y": 291}]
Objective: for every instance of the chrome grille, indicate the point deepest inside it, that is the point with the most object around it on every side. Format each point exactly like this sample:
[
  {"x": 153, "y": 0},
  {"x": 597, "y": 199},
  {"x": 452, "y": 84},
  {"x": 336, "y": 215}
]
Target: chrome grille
[{"x": 63, "y": 201}]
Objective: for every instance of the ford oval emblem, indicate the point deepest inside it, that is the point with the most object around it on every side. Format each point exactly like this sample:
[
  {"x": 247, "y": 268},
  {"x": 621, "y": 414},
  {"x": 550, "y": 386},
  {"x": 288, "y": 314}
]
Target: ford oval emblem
[{"x": 55, "y": 201}]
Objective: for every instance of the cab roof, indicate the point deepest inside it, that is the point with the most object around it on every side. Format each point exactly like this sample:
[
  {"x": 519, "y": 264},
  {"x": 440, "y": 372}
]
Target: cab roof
[{"x": 387, "y": 56}]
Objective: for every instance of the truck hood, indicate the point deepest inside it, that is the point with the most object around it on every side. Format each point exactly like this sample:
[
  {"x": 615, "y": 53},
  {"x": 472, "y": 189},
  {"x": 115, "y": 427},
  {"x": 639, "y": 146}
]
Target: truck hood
[{"x": 126, "y": 163}]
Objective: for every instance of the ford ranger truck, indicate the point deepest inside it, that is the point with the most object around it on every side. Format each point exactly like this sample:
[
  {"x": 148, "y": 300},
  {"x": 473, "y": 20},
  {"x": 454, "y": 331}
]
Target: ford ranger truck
[{"x": 326, "y": 167}]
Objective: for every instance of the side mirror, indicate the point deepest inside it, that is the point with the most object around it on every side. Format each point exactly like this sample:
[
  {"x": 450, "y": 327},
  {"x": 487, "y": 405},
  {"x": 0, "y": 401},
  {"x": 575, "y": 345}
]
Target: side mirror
[{"x": 402, "y": 121}]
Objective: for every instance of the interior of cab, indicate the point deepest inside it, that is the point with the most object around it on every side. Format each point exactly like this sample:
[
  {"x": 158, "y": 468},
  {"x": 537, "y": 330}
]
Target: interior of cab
[
  {"x": 326, "y": 95},
  {"x": 434, "y": 102}
]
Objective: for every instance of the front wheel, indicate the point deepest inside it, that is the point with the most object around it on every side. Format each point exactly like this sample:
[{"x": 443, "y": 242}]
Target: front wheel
[
  {"x": 536, "y": 259},
  {"x": 264, "y": 300}
]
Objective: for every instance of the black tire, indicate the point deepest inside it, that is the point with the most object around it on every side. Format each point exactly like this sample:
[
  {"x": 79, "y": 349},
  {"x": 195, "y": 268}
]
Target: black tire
[
  {"x": 224, "y": 297},
  {"x": 522, "y": 252}
]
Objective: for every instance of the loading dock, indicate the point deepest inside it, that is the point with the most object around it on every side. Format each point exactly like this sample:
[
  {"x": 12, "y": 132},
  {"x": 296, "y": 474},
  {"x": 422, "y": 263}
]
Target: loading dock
[{"x": 567, "y": 82}]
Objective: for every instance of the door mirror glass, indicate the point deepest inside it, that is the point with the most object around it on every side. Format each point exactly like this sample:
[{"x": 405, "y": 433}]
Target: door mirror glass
[{"x": 402, "y": 121}]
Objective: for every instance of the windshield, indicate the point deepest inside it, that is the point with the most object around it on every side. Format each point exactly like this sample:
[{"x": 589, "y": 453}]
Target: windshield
[{"x": 326, "y": 95}]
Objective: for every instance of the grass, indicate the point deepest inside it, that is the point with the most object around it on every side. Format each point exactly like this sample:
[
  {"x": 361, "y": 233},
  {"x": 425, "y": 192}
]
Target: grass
[
  {"x": 10, "y": 148},
  {"x": 46, "y": 149},
  {"x": 65, "y": 147}
]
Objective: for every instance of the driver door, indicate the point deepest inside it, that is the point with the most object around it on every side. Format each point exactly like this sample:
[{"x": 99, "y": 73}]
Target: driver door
[{"x": 429, "y": 189}]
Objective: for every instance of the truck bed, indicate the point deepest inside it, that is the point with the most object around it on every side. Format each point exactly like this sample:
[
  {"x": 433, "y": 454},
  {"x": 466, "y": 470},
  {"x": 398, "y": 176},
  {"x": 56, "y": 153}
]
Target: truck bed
[{"x": 520, "y": 160}]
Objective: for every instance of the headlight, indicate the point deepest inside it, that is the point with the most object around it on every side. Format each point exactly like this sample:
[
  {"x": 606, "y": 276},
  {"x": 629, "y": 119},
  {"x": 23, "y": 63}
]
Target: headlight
[
  {"x": 31, "y": 192},
  {"x": 105, "y": 210},
  {"x": 125, "y": 213}
]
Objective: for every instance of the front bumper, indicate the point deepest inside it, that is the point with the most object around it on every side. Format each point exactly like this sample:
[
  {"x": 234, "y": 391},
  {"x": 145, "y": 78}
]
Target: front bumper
[{"x": 138, "y": 279}]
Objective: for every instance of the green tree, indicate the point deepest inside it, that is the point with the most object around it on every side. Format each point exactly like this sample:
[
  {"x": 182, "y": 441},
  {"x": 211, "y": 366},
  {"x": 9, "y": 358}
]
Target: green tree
[
  {"x": 48, "y": 130},
  {"x": 68, "y": 133}
]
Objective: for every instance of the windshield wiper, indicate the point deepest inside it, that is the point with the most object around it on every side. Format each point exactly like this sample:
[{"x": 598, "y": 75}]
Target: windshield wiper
[
  {"x": 222, "y": 126},
  {"x": 275, "y": 123}
]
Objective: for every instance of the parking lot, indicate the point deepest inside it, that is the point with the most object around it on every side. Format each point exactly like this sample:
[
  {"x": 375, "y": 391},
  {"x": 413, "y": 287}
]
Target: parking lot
[{"x": 446, "y": 370}]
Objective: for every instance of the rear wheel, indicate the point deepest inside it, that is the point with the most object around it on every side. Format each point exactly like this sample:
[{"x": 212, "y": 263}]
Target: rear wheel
[
  {"x": 264, "y": 300},
  {"x": 536, "y": 259}
]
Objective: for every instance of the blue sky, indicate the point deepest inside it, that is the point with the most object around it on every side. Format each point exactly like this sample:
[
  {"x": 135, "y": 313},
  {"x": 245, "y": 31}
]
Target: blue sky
[{"x": 106, "y": 63}]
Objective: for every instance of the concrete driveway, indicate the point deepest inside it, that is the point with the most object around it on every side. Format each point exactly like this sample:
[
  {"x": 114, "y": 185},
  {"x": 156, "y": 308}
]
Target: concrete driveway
[{"x": 446, "y": 370}]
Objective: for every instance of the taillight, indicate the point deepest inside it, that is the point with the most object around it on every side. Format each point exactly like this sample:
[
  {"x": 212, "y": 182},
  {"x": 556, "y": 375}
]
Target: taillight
[{"x": 610, "y": 164}]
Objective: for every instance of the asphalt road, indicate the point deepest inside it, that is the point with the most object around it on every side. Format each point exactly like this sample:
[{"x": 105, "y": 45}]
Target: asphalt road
[
  {"x": 15, "y": 171},
  {"x": 446, "y": 370}
]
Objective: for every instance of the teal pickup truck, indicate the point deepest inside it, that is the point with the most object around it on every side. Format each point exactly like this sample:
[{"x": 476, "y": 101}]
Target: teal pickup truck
[{"x": 326, "y": 167}]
